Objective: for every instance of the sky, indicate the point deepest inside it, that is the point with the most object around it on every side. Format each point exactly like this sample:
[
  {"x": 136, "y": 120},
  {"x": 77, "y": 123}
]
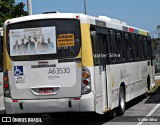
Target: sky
[{"x": 142, "y": 14}]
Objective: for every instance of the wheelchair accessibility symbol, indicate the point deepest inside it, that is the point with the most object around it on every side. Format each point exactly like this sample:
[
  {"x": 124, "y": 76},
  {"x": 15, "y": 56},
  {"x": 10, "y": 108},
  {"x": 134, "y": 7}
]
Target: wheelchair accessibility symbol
[{"x": 18, "y": 70}]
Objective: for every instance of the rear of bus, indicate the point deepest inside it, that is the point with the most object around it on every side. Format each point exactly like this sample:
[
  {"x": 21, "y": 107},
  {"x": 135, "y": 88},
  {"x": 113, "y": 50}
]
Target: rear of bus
[{"x": 42, "y": 65}]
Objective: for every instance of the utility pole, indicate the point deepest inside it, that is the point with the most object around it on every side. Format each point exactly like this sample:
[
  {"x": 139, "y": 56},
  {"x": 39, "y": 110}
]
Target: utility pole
[
  {"x": 85, "y": 7},
  {"x": 29, "y": 3},
  {"x": 158, "y": 30}
]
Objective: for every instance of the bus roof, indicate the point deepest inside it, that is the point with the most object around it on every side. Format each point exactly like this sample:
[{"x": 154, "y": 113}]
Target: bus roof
[{"x": 102, "y": 21}]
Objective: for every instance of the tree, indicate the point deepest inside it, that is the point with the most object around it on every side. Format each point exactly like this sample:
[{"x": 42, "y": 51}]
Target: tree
[
  {"x": 156, "y": 49},
  {"x": 10, "y": 9}
]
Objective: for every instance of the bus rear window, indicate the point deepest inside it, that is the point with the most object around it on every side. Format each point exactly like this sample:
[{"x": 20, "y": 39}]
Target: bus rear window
[{"x": 44, "y": 39}]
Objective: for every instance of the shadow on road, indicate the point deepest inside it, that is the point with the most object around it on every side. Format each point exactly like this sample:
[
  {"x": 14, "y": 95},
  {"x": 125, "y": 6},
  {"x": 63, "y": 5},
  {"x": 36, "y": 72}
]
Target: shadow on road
[
  {"x": 81, "y": 119},
  {"x": 134, "y": 102},
  {"x": 155, "y": 97}
]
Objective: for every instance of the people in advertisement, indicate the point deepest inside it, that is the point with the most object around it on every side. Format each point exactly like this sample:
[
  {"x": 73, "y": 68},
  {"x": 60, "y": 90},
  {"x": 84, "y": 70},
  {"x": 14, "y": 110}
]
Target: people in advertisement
[
  {"x": 44, "y": 45},
  {"x": 33, "y": 41},
  {"x": 50, "y": 45},
  {"x": 31, "y": 45},
  {"x": 22, "y": 47},
  {"x": 16, "y": 47},
  {"x": 38, "y": 45}
]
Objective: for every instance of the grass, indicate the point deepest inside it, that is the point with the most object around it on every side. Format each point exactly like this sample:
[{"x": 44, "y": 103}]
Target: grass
[{"x": 155, "y": 87}]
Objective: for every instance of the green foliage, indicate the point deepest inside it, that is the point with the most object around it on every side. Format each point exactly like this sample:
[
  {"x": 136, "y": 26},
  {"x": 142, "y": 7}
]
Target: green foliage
[
  {"x": 10, "y": 9},
  {"x": 155, "y": 88}
]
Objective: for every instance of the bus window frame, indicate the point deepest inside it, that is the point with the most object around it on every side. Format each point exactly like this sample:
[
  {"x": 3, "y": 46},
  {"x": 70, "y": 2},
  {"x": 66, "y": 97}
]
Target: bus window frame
[{"x": 45, "y": 56}]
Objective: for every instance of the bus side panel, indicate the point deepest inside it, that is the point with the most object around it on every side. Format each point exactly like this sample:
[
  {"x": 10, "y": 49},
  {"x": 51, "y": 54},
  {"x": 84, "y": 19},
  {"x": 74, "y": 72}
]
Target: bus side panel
[
  {"x": 151, "y": 72},
  {"x": 98, "y": 89},
  {"x": 128, "y": 74},
  {"x": 144, "y": 73},
  {"x": 110, "y": 83}
]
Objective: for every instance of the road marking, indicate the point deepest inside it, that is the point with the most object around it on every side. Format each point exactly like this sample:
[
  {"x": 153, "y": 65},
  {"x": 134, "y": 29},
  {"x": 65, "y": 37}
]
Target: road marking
[{"x": 150, "y": 113}]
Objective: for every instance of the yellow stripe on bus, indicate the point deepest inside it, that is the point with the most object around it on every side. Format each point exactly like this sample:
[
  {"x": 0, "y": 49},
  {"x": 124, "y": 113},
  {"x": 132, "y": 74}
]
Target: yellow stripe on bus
[
  {"x": 87, "y": 55},
  {"x": 6, "y": 58}
]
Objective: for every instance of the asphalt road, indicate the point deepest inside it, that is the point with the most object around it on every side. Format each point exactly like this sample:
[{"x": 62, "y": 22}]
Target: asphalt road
[{"x": 138, "y": 112}]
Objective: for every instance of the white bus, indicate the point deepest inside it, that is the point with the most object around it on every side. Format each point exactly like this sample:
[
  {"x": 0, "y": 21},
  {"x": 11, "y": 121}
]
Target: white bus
[{"x": 67, "y": 62}]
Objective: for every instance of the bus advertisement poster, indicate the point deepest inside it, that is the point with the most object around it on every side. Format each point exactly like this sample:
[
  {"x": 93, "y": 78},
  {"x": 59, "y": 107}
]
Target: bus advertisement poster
[{"x": 33, "y": 41}]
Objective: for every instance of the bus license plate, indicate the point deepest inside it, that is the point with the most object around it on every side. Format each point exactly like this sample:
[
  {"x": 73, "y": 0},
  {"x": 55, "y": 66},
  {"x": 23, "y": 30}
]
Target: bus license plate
[{"x": 46, "y": 90}]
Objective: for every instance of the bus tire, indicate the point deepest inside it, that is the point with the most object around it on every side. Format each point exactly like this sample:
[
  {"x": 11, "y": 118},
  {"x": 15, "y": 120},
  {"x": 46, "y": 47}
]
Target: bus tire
[
  {"x": 122, "y": 103},
  {"x": 145, "y": 95},
  {"x": 148, "y": 82}
]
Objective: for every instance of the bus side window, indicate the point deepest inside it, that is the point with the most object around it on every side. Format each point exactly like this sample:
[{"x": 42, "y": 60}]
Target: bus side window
[
  {"x": 145, "y": 47},
  {"x": 1, "y": 54},
  {"x": 140, "y": 46},
  {"x": 128, "y": 48},
  {"x": 135, "y": 46},
  {"x": 149, "y": 48},
  {"x": 108, "y": 46},
  {"x": 113, "y": 47},
  {"x": 120, "y": 46},
  {"x": 95, "y": 48},
  {"x": 102, "y": 39}
]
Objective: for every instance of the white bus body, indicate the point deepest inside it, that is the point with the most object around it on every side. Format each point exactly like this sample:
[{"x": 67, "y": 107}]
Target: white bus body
[{"x": 44, "y": 82}]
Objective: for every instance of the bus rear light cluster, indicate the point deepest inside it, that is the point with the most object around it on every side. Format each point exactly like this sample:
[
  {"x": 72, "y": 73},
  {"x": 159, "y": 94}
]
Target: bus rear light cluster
[
  {"x": 86, "y": 89},
  {"x": 6, "y": 84},
  {"x": 5, "y": 78},
  {"x": 85, "y": 74},
  {"x": 86, "y": 83}
]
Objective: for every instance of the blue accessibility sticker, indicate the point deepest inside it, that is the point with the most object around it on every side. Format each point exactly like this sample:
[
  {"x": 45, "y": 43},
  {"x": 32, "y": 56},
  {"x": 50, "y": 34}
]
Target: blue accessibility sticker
[{"x": 18, "y": 70}]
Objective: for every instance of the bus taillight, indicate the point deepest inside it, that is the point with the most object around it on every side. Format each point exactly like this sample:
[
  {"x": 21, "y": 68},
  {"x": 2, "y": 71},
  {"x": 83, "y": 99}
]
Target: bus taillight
[
  {"x": 6, "y": 84},
  {"x": 5, "y": 79},
  {"x": 86, "y": 83},
  {"x": 85, "y": 74}
]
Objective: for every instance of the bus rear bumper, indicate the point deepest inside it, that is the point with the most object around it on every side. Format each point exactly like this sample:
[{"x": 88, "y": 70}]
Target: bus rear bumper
[{"x": 83, "y": 104}]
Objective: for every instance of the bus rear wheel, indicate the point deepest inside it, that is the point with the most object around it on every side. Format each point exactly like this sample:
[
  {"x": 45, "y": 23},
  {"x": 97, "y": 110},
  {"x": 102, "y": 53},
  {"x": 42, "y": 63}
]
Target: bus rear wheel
[
  {"x": 122, "y": 103},
  {"x": 145, "y": 95},
  {"x": 148, "y": 83}
]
